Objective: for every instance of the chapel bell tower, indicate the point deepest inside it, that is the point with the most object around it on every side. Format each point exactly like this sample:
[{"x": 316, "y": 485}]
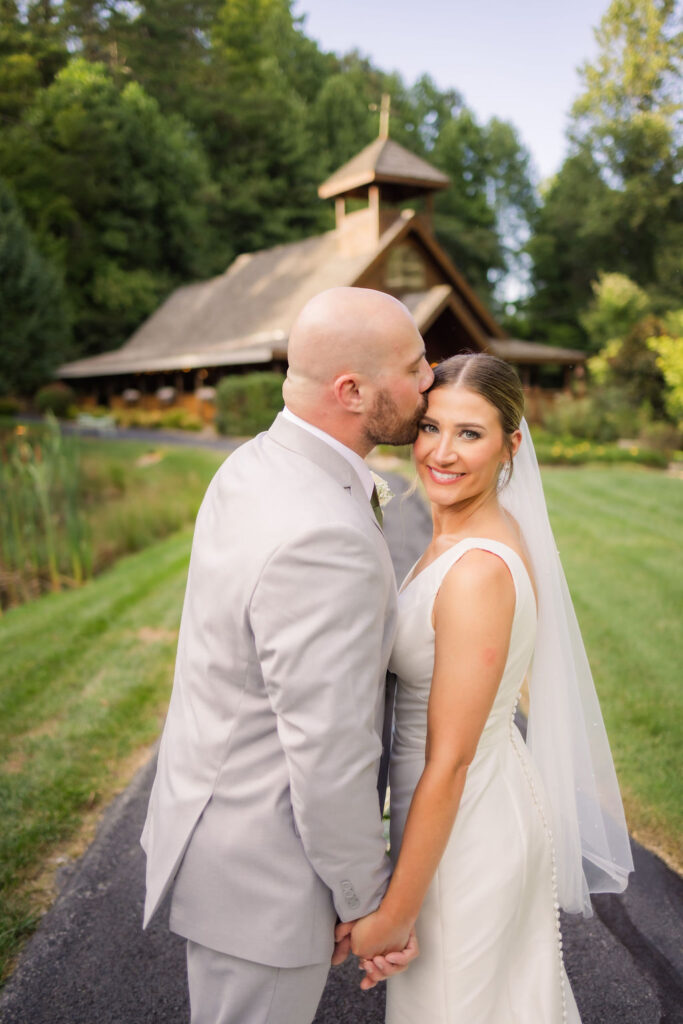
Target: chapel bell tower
[{"x": 385, "y": 174}]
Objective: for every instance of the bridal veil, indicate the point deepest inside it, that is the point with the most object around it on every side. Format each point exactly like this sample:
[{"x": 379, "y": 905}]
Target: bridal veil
[{"x": 566, "y": 734}]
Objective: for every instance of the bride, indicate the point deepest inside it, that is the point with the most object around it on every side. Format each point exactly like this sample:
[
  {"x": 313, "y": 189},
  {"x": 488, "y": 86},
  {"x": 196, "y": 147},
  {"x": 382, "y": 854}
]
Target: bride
[{"x": 489, "y": 835}]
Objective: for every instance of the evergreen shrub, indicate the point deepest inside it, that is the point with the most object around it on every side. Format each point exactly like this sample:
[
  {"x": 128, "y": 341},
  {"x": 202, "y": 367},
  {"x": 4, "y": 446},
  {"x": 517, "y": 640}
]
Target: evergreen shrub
[
  {"x": 247, "y": 404},
  {"x": 603, "y": 415},
  {"x": 56, "y": 398}
]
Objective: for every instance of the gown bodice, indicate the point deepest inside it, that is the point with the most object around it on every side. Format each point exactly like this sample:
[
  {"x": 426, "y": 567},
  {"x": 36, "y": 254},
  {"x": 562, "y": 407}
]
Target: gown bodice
[{"x": 413, "y": 655}]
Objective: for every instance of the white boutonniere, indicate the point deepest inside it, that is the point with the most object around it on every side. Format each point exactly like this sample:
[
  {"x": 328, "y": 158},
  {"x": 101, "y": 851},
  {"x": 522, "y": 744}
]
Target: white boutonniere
[{"x": 384, "y": 491}]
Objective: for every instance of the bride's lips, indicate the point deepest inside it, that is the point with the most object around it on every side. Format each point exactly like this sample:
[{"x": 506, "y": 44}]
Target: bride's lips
[{"x": 440, "y": 477}]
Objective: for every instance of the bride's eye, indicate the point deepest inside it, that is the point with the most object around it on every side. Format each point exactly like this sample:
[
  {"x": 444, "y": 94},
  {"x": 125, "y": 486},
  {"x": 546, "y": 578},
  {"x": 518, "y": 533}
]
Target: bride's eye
[
  {"x": 471, "y": 435},
  {"x": 428, "y": 428}
]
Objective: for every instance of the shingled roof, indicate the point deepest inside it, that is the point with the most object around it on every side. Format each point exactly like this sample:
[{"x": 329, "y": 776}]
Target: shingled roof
[
  {"x": 241, "y": 316},
  {"x": 383, "y": 161},
  {"x": 244, "y": 316}
]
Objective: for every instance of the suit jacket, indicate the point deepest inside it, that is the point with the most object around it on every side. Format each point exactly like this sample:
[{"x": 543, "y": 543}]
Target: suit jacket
[{"x": 264, "y": 808}]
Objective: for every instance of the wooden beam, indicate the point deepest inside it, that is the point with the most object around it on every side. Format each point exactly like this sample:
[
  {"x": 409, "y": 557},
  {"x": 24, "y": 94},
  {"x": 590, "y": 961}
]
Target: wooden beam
[{"x": 339, "y": 210}]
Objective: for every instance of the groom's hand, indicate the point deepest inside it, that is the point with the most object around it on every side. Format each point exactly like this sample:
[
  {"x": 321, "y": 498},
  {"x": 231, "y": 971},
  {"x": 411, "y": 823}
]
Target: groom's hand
[
  {"x": 342, "y": 942},
  {"x": 382, "y": 967}
]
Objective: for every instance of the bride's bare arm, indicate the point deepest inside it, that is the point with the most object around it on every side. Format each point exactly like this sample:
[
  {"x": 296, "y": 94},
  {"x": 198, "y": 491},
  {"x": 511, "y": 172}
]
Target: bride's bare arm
[{"x": 472, "y": 619}]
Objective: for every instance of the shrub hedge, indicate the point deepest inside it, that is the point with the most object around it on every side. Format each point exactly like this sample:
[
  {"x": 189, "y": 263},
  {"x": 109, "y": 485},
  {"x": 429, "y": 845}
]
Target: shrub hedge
[
  {"x": 56, "y": 398},
  {"x": 248, "y": 403}
]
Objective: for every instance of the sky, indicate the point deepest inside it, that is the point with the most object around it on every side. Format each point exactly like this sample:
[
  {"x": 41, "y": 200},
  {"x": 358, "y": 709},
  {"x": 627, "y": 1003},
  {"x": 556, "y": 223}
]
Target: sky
[{"x": 512, "y": 59}]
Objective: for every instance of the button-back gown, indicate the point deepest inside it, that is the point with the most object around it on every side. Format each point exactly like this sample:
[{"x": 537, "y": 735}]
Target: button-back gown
[{"x": 490, "y": 944}]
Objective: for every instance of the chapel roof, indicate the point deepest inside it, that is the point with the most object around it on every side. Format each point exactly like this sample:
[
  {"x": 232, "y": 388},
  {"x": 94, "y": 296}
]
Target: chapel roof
[{"x": 384, "y": 162}]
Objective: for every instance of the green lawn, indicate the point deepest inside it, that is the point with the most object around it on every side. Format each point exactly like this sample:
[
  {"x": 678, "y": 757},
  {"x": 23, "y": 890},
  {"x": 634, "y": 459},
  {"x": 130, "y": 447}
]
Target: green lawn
[
  {"x": 85, "y": 674},
  {"x": 620, "y": 535},
  {"x": 85, "y": 677}
]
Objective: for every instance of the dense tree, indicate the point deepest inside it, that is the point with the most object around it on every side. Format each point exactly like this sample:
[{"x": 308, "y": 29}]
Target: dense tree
[
  {"x": 668, "y": 349},
  {"x": 465, "y": 220},
  {"x": 573, "y": 236},
  {"x": 32, "y": 51},
  {"x": 253, "y": 123},
  {"x": 510, "y": 183},
  {"x": 341, "y": 118},
  {"x": 481, "y": 219},
  {"x": 629, "y": 118},
  {"x": 117, "y": 196},
  {"x": 616, "y": 204},
  {"x": 617, "y": 306},
  {"x": 34, "y": 327},
  {"x": 433, "y": 108},
  {"x": 164, "y": 45},
  {"x": 619, "y": 323}
]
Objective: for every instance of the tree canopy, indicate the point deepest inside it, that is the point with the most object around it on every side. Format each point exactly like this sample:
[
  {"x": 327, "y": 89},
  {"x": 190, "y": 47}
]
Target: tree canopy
[
  {"x": 616, "y": 205},
  {"x": 116, "y": 194}
]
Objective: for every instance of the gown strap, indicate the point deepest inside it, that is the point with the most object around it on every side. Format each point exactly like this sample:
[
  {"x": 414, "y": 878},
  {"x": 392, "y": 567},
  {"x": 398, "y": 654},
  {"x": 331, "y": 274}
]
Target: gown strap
[{"x": 507, "y": 554}]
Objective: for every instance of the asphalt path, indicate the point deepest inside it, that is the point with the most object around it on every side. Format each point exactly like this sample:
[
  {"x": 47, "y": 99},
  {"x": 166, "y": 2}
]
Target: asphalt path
[{"x": 90, "y": 962}]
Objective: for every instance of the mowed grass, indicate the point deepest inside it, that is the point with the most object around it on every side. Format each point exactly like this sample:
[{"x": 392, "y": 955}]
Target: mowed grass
[
  {"x": 85, "y": 682},
  {"x": 620, "y": 535}
]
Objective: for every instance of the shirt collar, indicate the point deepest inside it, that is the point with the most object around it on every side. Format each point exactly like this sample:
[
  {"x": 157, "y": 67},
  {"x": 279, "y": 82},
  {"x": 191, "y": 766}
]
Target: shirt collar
[{"x": 353, "y": 458}]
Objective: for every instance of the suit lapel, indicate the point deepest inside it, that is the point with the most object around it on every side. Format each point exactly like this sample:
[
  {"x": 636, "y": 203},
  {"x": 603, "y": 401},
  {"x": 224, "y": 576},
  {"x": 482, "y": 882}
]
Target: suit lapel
[{"x": 296, "y": 439}]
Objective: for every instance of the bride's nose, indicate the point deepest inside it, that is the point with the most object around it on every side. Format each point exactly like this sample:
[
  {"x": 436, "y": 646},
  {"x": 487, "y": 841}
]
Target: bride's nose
[{"x": 445, "y": 452}]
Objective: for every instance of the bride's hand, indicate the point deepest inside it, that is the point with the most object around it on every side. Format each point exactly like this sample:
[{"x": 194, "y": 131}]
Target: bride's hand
[
  {"x": 382, "y": 967},
  {"x": 377, "y": 935}
]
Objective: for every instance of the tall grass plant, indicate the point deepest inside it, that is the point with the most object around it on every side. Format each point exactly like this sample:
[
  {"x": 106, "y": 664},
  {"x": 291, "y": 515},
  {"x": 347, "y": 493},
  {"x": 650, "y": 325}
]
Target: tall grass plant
[
  {"x": 69, "y": 507},
  {"x": 44, "y": 534}
]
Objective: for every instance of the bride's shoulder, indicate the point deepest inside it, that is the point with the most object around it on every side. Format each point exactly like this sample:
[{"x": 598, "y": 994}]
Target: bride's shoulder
[
  {"x": 498, "y": 557},
  {"x": 479, "y": 583},
  {"x": 478, "y": 565}
]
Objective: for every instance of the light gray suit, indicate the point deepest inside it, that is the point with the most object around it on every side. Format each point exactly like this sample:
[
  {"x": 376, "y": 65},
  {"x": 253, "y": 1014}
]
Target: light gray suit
[{"x": 264, "y": 809}]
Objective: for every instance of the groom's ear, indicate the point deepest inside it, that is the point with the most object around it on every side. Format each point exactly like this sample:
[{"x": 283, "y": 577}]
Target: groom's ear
[{"x": 349, "y": 390}]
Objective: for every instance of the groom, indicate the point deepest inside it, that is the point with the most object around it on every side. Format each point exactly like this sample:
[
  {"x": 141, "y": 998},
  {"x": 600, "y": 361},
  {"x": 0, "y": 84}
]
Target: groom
[{"x": 264, "y": 815}]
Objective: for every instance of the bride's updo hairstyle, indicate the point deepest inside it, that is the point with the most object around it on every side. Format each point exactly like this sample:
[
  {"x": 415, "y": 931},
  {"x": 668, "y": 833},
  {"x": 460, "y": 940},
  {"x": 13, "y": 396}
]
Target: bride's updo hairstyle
[{"x": 493, "y": 379}]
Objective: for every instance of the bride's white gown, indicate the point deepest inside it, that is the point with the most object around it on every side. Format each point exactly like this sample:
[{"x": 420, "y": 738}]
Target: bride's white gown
[{"x": 491, "y": 950}]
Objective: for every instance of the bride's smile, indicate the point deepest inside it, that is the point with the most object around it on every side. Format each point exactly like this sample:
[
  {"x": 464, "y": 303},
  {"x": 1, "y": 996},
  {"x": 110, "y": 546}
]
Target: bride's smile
[{"x": 442, "y": 477}]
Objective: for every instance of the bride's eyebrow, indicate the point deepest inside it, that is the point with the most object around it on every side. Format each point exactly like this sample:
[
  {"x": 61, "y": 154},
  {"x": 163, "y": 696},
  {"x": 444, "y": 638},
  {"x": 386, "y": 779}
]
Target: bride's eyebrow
[{"x": 470, "y": 426}]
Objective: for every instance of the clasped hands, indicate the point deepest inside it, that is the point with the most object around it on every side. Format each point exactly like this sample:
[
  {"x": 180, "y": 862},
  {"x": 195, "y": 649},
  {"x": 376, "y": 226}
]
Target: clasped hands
[{"x": 383, "y": 947}]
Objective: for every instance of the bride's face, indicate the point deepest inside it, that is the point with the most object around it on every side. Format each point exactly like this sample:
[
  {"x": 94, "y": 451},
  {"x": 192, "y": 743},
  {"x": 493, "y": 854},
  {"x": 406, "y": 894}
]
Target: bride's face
[{"x": 460, "y": 447}]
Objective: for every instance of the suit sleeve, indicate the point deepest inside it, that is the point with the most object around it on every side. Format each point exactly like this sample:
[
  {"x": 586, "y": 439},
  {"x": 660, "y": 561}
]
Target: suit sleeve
[{"x": 317, "y": 615}]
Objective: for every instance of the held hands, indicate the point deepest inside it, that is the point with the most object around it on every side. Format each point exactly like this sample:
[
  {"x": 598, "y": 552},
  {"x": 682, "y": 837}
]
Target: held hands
[
  {"x": 377, "y": 935},
  {"x": 384, "y": 948}
]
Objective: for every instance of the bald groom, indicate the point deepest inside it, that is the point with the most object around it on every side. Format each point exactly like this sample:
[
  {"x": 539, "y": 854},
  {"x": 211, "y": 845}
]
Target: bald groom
[{"x": 264, "y": 815}]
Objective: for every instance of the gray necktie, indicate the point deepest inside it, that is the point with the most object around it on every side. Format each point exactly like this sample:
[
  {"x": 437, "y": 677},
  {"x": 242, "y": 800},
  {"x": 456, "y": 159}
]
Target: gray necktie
[{"x": 376, "y": 507}]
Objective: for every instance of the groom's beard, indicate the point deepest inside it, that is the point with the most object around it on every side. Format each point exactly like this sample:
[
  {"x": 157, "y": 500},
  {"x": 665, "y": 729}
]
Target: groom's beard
[{"x": 386, "y": 425}]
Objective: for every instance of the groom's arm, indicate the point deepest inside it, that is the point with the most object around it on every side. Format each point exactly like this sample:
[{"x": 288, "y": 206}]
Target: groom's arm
[{"x": 317, "y": 615}]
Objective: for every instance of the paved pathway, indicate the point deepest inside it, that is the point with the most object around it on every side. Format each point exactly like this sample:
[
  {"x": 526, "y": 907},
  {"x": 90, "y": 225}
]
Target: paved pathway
[{"x": 90, "y": 962}]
